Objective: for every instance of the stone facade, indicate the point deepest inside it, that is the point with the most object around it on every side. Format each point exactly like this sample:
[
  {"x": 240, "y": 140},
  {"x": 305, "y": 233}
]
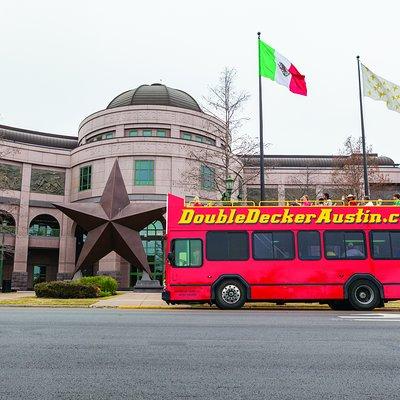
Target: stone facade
[{"x": 38, "y": 169}]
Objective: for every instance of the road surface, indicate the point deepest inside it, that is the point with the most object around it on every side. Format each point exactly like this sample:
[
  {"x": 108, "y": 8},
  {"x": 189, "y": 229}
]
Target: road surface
[{"x": 111, "y": 354}]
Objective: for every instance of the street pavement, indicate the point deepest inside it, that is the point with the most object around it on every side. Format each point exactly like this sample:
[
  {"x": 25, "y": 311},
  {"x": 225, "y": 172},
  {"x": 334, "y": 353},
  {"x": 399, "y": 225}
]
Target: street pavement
[{"x": 105, "y": 354}]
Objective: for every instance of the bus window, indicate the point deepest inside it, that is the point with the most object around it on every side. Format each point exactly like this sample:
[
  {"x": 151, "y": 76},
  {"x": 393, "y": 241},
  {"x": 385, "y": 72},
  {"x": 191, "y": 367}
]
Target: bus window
[
  {"x": 385, "y": 244},
  {"x": 344, "y": 245},
  {"x": 187, "y": 253},
  {"x": 227, "y": 246},
  {"x": 309, "y": 245},
  {"x": 273, "y": 245}
]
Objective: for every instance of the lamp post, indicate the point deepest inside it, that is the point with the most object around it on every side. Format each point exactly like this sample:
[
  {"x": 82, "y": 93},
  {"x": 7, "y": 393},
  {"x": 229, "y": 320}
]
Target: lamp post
[{"x": 228, "y": 189}]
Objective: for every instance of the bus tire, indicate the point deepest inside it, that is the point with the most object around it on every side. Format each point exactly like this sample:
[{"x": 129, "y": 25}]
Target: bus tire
[
  {"x": 340, "y": 305},
  {"x": 364, "y": 295},
  {"x": 230, "y": 294}
]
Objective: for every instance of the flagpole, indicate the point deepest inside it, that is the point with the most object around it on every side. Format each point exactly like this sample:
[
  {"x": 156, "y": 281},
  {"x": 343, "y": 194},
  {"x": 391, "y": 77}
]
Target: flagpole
[
  {"x": 262, "y": 176},
  {"x": 366, "y": 184}
]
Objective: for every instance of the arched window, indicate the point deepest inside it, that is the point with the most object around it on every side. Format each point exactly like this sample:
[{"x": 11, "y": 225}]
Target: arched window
[
  {"x": 44, "y": 225},
  {"x": 7, "y": 223}
]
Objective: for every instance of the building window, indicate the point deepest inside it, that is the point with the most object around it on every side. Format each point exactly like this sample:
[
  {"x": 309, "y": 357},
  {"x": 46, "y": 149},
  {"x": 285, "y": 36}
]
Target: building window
[
  {"x": 144, "y": 172},
  {"x": 228, "y": 245},
  {"x": 147, "y": 132},
  {"x": 161, "y": 133},
  {"x": 207, "y": 176},
  {"x": 44, "y": 225},
  {"x": 197, "y": 138},
  {"x": 85, "y": 178},
  {"x": 133, "y": 132},
  {"x": 101, "y": 136}
]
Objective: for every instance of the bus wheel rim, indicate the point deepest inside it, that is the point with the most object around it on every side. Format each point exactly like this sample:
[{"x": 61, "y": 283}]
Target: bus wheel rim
[
  {"x": 364, "y": 294},
  {"x": 231, "y": 294}
]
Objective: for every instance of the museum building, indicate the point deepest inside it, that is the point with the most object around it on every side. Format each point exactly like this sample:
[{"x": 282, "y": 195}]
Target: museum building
[{"x": 157, "y": 134}]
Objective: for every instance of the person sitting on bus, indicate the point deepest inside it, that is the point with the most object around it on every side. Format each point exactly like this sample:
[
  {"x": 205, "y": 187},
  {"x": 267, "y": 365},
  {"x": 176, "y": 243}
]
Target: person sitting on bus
[
  {"x": 321, "y": 201},
  {"x": 353, "y": 252},
  {"x": 396, "y": 198},
  {"x": 379, "y": 202},
  {"x": 366, "y": 201},
  {"x": 351, "y": 200},
  {"x": 304, "y": 201},
  {"x": 327, "y": 200}
]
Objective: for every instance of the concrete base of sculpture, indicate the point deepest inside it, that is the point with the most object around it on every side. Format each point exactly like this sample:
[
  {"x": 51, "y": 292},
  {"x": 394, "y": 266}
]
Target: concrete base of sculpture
[{"x": 147, "y": 285}]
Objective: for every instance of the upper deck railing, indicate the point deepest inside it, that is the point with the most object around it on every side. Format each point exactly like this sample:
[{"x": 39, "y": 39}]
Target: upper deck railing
[{"x": 291, "y": 203}]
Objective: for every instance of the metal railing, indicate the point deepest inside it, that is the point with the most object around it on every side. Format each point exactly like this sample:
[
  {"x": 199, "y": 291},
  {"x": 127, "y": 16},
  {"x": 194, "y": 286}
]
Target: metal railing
[{"x": 292, "y": 203}]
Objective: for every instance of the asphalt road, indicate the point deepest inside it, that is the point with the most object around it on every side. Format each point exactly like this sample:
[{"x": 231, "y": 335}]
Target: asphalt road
[{"x": 110, "y": 354}]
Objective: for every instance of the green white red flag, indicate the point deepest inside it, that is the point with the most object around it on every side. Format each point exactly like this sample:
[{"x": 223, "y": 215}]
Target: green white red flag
[{"x": 279, "y": 69}]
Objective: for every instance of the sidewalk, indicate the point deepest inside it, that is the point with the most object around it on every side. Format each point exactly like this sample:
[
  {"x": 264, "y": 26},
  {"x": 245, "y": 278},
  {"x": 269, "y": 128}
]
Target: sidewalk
[
  {"x": 135, "y": 300},
  {"x": 16, "y": 295}
]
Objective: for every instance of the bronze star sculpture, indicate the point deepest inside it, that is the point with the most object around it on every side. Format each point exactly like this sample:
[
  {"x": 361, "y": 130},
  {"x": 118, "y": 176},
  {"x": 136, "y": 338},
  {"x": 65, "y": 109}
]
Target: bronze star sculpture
[{"x": 113, "y": 224}]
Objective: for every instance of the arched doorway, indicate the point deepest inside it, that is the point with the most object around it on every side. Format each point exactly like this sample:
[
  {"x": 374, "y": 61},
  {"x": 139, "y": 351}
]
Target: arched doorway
[{"x": 153, "y": 242}]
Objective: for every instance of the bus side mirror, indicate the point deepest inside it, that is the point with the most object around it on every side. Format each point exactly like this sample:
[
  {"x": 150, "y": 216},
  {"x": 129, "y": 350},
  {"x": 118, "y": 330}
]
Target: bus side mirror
[{"x": 171, "y": 257}]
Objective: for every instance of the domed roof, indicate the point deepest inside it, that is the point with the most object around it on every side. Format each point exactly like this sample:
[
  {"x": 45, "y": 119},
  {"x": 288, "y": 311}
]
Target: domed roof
[{"x": 155, "y": 94}]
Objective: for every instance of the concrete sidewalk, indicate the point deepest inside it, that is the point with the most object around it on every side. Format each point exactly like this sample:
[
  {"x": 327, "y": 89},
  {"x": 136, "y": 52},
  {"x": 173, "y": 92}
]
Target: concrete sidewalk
[
  {"x": 135, "y": 300},
  {"x": 16, "y": 295}
]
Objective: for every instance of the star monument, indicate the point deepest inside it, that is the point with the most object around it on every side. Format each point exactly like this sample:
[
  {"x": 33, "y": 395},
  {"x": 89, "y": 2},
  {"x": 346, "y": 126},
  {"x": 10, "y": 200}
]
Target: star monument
[{"x": 113, "y": 224}]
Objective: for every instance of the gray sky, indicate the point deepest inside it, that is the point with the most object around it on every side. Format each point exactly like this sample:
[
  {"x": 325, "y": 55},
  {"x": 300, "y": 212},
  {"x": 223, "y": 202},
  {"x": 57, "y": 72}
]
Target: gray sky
[{"x": 63, "y": 60}]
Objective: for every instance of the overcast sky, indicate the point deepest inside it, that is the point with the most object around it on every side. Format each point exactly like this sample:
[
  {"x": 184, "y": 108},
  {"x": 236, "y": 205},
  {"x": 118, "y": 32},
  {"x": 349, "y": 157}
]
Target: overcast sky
[{"x": 63, "y": 60}]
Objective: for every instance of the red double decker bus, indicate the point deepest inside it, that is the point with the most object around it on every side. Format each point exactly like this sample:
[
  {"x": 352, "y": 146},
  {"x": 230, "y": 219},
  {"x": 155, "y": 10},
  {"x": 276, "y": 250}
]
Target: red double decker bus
[{"x": 346, "y": 256}]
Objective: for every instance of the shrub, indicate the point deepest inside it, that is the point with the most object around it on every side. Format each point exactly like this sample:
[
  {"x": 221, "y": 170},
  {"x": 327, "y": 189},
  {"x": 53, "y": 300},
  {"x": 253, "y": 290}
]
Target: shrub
[
  {"x": 66, "y": 290},
  {"x": 103, "y": 282}
]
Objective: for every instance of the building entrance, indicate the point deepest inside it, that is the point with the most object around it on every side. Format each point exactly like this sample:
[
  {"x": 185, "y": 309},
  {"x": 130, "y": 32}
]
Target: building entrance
[{"x": 153, "y": 242}]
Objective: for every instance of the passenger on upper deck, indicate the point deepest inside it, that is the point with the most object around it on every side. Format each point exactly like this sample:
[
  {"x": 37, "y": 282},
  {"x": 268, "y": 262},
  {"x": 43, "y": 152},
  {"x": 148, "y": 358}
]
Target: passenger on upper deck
[
  {"x": 351, "y": 200},
  {"x": 304, "y": 201},
  {"x": 327, "y": 200},
  {"x": 396, "y": 198}
]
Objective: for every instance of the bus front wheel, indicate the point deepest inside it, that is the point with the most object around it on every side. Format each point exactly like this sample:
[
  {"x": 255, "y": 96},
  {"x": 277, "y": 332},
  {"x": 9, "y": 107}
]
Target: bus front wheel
[
  {"x": 364, "y": 295},
  {"x": 230, "y": 295}
]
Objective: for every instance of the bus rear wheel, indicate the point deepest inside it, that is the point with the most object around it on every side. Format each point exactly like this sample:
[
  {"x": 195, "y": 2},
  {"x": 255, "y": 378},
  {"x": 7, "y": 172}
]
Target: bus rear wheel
[
  {"x": 364, "y": 295},
  {"x": 230, "y": 295}
]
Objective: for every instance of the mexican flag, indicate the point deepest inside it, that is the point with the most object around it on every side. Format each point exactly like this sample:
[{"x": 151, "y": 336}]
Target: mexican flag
[{"x": 278, "y": 68}]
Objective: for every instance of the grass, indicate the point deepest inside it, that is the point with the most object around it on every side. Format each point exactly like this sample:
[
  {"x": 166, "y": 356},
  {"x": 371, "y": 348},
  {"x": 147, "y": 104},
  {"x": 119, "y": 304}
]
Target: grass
[{"x": 33, "y": 301}]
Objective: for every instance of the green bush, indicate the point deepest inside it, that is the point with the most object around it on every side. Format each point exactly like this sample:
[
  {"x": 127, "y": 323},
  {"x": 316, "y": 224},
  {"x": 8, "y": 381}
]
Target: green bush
[
  {"x": 66, "y": 290},
  {"x": 104, "y": 282}
]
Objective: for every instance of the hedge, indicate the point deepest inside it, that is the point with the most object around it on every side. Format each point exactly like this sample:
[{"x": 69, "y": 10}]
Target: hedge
[
  {"x": 107, "y": 284},
  {"x": 66, "y": 290}
]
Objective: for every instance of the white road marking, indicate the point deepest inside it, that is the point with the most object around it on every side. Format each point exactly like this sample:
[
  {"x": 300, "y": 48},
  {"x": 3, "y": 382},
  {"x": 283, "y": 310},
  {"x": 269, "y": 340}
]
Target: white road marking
[{"x": 372, "y": 317}]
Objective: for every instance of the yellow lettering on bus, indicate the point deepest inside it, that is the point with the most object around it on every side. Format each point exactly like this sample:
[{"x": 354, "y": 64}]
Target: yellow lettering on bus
[
  {"x": 252, "y": 216},
  {"x": 276, "y": 218},
  {"x": 240, "y": 218},
  {"x": 324, "y": 216},
  {"x": 393, "y": 218},
  {"x": 264, "y": 219},
  {"x": 221, "y": 218},
  {"x": 198, "y": 219},
  {"x": 287, "y": 218},
  {"x": 299, "y": 218},
  {"x": 186, "y": 217},
  {"x": 349, "y": 219}
]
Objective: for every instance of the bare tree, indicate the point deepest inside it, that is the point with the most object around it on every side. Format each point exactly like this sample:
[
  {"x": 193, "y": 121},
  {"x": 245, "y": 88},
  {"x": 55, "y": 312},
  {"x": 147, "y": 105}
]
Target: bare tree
[
  {"x": 349, "y": 171},
  {"x": 225, "y": 103},
  {"x": 303, "y": 183}
]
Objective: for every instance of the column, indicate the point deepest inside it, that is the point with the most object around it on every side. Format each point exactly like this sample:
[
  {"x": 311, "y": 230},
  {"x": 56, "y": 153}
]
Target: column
[{"x": 20, "y": 271}]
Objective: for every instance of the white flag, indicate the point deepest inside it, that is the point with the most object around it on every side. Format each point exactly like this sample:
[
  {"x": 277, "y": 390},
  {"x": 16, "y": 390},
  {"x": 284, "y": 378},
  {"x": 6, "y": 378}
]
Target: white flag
[{"x": 380, "y": 89}]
